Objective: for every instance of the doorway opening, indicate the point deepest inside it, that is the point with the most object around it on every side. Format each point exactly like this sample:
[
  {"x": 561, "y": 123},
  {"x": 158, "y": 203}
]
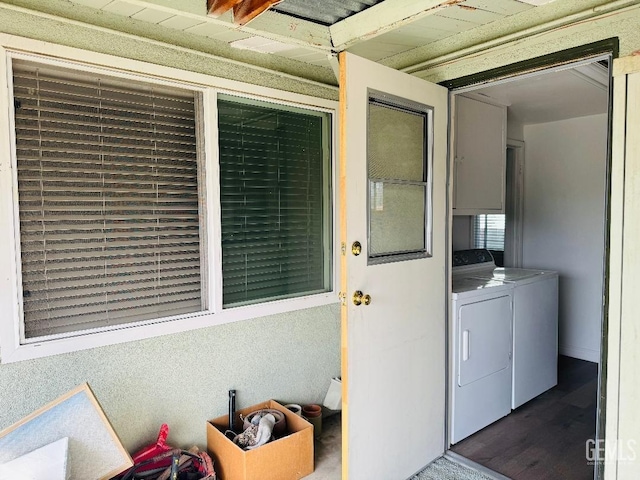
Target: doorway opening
[{"x": 541, "y": 206}]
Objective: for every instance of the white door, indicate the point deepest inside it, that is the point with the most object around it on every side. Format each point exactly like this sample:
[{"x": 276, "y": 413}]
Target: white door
[{"x": 393, "y": 179}]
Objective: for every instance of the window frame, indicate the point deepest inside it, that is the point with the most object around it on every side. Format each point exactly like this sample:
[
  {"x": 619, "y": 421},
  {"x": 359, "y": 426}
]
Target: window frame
[
  {"x": 329, "y": 188},
  {"x": 12, "y": 348}
]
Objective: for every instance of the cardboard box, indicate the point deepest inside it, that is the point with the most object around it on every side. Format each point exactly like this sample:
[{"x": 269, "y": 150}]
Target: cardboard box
[{"x": 287, "y": 458}]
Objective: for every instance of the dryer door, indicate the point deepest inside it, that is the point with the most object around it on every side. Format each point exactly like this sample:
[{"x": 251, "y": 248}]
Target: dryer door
[{"x": 484, "y": 336}]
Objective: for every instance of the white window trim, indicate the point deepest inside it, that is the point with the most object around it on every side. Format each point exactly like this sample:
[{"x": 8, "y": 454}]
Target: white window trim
[{"x": 11, "y": 349}]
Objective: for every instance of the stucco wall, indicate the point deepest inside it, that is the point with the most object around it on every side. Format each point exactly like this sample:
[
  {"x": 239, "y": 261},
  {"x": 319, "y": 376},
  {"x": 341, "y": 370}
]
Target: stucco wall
[{"x": 183, "y": 379}]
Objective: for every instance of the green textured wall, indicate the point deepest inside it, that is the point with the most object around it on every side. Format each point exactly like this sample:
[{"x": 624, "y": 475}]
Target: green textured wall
[{"x": 183, "y": 379}]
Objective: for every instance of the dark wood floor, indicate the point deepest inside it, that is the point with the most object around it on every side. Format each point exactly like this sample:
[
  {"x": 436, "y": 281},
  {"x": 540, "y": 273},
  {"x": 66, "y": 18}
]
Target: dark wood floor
[{"x": 545, "y": 438}]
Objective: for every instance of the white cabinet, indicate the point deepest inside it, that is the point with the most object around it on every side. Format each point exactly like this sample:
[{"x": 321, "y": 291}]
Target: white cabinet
[{"x": 480, "y": 144}]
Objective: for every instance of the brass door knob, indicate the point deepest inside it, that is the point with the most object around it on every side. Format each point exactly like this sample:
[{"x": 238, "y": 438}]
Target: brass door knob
[
  {"x": 359, "y": 298},
  {"x": 356, "y": 248}
]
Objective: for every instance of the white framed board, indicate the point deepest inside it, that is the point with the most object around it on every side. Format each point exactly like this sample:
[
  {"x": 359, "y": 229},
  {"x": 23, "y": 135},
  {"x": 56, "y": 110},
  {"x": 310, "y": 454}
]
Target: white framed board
[{"x": 94, "y": 450}]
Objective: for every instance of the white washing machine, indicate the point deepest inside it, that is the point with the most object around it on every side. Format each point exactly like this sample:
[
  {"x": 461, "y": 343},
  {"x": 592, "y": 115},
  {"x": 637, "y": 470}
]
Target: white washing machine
[
  {"x": 535, "y": 329},
  {"x": 481, "y": 341}
]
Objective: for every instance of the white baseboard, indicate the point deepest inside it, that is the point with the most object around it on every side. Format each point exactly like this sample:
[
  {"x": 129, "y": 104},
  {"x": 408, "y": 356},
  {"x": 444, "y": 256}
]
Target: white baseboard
[{"x": 578, "y": 352}]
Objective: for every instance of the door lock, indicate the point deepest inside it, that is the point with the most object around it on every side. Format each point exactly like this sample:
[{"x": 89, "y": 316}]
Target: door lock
[{"x": 359, "y": 298}]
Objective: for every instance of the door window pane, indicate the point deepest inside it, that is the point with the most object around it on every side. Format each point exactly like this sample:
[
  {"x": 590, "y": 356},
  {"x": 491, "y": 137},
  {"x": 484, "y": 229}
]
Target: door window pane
[
  {"x": 396, "y": 208},
  {"x": 396, "y": 143},
  {"x": 398, "y": 170}
]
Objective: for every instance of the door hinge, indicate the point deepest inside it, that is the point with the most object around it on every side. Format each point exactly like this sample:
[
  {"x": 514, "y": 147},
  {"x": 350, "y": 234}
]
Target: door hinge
[
  {"x": 343, "y": 248},
  {"x": 343, "y": 298}
]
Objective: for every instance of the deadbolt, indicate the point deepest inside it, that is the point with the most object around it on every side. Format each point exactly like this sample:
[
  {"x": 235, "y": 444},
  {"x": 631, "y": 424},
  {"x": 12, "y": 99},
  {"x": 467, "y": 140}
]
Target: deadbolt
[
  {"x": 356, "y": 248},
  {"x": 359, "y": 298}
]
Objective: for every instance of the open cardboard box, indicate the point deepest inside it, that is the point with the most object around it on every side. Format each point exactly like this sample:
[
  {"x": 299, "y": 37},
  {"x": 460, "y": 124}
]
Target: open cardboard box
[{"x": 287, "y": 458}]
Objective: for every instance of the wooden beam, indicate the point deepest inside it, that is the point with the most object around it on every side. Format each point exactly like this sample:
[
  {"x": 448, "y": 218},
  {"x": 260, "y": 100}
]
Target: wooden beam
[
  {"x": 383, "y": 17},
  {"x": 215, "y": 8},
  {"x": 246, "y": 10}
]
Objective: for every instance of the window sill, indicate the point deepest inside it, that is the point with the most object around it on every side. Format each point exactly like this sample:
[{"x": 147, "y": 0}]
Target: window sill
[{"x": 87, "y": 340}]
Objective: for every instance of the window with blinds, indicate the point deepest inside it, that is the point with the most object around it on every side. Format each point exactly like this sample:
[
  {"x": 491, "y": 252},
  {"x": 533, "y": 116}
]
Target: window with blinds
[
  {"x": 488, "y": 231},
  {"x": 274, "y": 184},
  {"x": 107, "y": 173}
]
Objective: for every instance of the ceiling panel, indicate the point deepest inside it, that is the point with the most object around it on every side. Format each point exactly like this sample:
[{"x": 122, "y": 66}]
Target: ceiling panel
[
  {"x": 376, "y": 50},
  {"x": 473, "y": 15},
  {"x": 93, "y": 3},
  {"x": 230, "y": 36},
  {"x": 181, "y": 22},
  {"x": 153, "y": 15},
  {"x": 209, "y": 29},
  {"x": 503, "y": 7},
  {"x": 453, "y": 25},
  {"x": 314, "y": 58},
  {"x": 125, "y": 9}
]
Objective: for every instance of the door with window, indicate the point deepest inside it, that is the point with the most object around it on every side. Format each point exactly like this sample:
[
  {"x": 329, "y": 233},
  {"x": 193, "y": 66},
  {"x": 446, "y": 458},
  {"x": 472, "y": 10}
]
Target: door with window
[{"x": 393, "y": 216}]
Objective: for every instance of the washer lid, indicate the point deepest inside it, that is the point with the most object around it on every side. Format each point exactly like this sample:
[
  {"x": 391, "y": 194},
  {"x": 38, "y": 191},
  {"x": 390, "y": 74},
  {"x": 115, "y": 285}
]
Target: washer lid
[
  {"x": 461, "y": 284},
  {"x": 510, "y": 274}
]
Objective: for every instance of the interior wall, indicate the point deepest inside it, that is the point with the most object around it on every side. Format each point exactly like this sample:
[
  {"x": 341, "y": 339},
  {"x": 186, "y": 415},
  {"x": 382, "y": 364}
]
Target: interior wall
[
  {"x": 181, "y": 379},
  {"x": 461, "y": 232},
  {"x": 515, "y": 127},
  {"x": 564, "y": 222}
]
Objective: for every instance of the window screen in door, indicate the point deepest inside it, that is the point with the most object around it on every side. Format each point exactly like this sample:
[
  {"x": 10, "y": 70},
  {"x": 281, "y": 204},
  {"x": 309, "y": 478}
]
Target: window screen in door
[{"x": 399, "y": 153}]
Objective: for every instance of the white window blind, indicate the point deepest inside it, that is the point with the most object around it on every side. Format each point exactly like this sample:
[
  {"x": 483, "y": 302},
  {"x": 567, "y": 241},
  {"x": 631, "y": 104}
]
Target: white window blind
[
  {"x": 274, "y": 172},
  {"x": 108, "y": 199},
  {"x": 488, "y": 231}
]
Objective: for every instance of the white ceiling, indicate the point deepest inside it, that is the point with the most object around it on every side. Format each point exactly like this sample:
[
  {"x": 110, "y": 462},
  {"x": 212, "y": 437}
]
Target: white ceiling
[{"x": 549, "y": 97}]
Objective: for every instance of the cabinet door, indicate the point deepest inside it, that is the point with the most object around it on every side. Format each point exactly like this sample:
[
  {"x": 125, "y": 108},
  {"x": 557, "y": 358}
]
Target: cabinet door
[{"x": 480, "y": 157}]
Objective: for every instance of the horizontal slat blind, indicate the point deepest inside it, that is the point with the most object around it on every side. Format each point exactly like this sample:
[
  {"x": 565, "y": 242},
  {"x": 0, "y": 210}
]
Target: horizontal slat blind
[
  {"x": 489, "y": 231},
  {"x": 272, "y": 182},
  {"x": 108, "y": 192}
]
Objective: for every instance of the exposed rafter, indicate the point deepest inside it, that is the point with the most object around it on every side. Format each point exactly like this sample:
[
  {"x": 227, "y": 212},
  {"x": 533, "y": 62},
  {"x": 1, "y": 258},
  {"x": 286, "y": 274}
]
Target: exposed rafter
[
  {"x": 215, "y": 8},
  {"x": 247, "y": 10},
  {"x": 243, "y": 10}
]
